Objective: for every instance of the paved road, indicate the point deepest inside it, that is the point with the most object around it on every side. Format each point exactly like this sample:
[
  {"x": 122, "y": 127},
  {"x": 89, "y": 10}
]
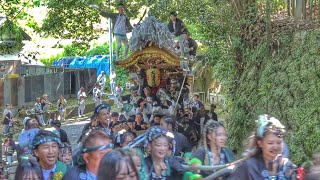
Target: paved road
[{"x": 74, "y": 131}]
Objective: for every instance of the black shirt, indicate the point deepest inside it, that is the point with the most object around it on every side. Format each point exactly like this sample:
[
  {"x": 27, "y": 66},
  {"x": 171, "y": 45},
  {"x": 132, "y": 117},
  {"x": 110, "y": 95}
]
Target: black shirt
[
  {"x": 63, "y": 136},
  {"x": 175, "y": 172},
  {"x": 139, "y": 128}
]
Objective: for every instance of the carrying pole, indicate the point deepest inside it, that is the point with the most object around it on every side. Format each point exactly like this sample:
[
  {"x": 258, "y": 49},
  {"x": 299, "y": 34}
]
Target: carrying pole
[
  {"x": 175, "y": 107},
  {"x": 110, "y": 43}
]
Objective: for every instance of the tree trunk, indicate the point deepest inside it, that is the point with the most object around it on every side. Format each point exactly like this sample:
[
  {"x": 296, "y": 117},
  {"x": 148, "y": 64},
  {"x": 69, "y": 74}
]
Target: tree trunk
[
  {"x": 304, "y": 9},
  {"x": 288, "y": 7},
  {"x": 293, "y": 7},
  {"x": 299, "y": 10}
]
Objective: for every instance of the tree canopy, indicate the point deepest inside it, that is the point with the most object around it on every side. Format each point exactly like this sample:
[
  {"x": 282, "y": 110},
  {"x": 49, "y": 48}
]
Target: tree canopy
[{"x": 251, "y": 45}]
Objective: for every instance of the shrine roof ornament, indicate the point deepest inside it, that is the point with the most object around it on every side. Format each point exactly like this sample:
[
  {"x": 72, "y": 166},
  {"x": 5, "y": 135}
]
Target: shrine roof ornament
[{"x": 151, "y": 30}]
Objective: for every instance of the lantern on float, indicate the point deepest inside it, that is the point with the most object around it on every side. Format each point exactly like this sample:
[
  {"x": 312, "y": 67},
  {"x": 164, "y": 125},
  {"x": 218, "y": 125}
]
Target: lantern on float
[{"x": 153, "y": 77}]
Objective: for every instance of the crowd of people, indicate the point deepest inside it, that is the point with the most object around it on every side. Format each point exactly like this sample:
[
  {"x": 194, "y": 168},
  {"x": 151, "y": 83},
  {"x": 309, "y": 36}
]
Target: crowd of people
[
  {"x": 113, "y": 147},
  {"x": 156, "y": 135}
]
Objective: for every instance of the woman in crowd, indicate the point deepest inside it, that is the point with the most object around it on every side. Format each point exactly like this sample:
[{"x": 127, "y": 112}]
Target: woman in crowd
[
  {"x": 158, "y": 164},
  {"x": 123, "y": 138},
  {"x": 28, "y": 168},
  {"x": 99, "y": 120},
  {"x": 9, "y": 148},
  {"x": 65, "y": 154},
  {"x": 212, "y": 150},
  {"x": 117, "y": 164},
  {"x": 264, "y": 156},
  {"x": 180, "y": 142},
  {"x": 62, "y": 105},
  {"x": 138, "y": 159}
]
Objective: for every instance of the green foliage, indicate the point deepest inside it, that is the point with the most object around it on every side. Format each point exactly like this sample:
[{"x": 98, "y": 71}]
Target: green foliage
[
  {"x": 49, "y": 61},
  {"x": 75, "y": 49},
  {"x": 122, "y": 78},
  {"x": 11, "y": 31},
  {"x": 70, "y": 20},
  {"x": 98, "y": 50},
  {"x": 13, "y": 11},
  {"x": 285, "y": 86}
]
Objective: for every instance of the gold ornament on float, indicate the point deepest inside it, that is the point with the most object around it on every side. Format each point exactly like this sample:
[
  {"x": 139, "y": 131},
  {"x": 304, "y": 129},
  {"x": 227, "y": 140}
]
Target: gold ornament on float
[{"x": 153, "y": 77}]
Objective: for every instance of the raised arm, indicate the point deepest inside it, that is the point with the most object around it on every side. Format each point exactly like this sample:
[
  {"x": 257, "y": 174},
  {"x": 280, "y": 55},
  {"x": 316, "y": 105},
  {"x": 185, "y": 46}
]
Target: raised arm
[{"x": 108, "y": 14}]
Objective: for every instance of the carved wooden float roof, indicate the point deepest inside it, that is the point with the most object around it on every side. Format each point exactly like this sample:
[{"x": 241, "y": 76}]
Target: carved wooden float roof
[{"x": 151, "y": 56}]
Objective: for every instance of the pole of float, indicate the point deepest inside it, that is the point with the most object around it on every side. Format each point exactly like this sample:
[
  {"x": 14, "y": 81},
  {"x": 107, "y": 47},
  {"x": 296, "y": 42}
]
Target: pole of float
[
  {"x": 110, "y": 46},
  {"x": 184, "y": 79},
  {"x": 110, "y": 42}
]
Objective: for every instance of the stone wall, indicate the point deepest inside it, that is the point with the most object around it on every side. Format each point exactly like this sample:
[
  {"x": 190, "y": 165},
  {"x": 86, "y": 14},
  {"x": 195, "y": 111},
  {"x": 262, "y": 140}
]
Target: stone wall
[{"x": 22, "y": 91}]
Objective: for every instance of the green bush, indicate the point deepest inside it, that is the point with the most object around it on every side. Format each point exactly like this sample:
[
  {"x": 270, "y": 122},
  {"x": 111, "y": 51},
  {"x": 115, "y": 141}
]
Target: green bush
[{"x": 49, "y": 61}]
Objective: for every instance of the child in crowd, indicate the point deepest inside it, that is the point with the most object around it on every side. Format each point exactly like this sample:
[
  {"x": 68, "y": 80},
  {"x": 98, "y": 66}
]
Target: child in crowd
[
  {"x": 53, "y": 116},
  {"x": 7, "y": 119},
  {"x": 9, "y": 148},
  {"x": 123, "y": 138},
  {"x": 65, "y": 154}
]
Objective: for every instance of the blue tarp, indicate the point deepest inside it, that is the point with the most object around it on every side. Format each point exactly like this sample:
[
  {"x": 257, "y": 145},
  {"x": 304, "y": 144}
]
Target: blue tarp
[
  {"x": 100, "y": 62},
  {"x": 63, "y": 61}
]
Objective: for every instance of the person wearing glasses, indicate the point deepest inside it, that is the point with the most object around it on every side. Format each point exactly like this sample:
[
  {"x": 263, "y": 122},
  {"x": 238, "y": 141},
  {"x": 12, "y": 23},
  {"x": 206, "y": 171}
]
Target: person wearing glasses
[{"x": 94, "y": 146}]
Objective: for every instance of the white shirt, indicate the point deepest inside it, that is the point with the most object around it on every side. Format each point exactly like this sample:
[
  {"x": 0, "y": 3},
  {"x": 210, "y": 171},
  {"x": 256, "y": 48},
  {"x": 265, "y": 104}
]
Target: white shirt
[
  {"x": 113, "y": 77},
  {"x": 101, "y": 79},
  {"x": 119, "y": 91},
  {"x": 98, "y": 94},
  {"x": 81, "y": 94}
]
